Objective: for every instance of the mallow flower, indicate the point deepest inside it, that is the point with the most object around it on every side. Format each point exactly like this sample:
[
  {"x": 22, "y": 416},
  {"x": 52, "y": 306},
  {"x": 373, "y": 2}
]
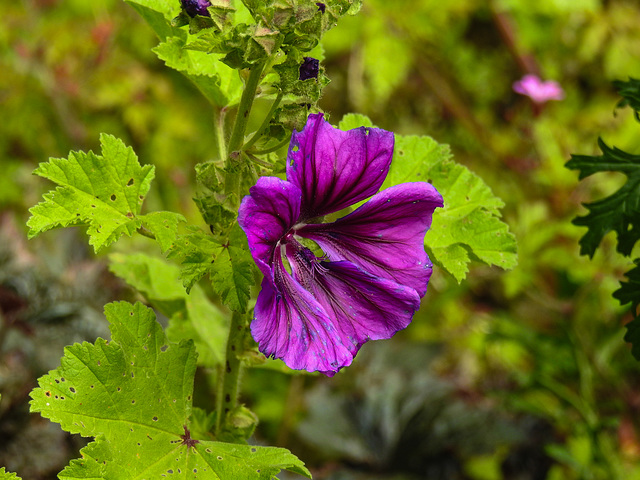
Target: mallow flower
[
  {"x": 317, "y": 308},
  {"x": 539, "y": 91}
]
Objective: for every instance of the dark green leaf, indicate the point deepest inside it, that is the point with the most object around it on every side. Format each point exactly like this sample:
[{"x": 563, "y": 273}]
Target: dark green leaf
[
  {"x": 619, "y": 212},
  {"x": 630, "y": 93}
]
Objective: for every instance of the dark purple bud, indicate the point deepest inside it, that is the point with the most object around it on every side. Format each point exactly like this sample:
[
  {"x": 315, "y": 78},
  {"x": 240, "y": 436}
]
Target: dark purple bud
[
  {"x": 309, "y": 68},
  {"x": 321, "y": 6},
  {"x": 196, "y": 7}
]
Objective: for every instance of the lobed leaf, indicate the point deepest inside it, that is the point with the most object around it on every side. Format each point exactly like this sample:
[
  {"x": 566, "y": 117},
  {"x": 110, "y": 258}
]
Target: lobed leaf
[
  {"x": 619, "y": 212},
  {"x": 104, "y": 192},
  {"x": 218, "y": 82},
  {"x": 630, "y": 93},
  {"x": 158, "y": 14},
  {"x": 469, "y": 226},
  {"x": 4, "y": 475},
  {"x": 134, "y": 395}
]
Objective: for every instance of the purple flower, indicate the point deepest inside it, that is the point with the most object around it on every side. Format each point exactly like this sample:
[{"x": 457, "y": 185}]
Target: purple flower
[
  {"x": 309, "y": 68},
  {"x": 537, "y": 90},
  {"x": 315, "y": 312},
  {"x": 196, "y": 7}
]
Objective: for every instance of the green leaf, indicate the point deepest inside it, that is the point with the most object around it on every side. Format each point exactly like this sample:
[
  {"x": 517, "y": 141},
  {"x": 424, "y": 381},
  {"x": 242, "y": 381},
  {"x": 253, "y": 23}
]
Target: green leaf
[
  {"x": 164, "y": 226},
  {"x": 106, "y": 192},
  {"x": 469, "y": 226},
  {"x": 354, "y": 120},
  {"x": 196, "y": 251},
  {"x": 4, "y": 475},
  {"x": 630, "y": 93},
  {"x": 218, "y": 82},
  {"x": 158, "y": 14},
  {"x": 619, "y": 212},
  {"x": 633, "y": 337},
  {"x": 629, "y": 292},
  {"x": 190, "y": 315},
  {"x": 233, "y": 272},
  {"x": 134, "y": 395}
]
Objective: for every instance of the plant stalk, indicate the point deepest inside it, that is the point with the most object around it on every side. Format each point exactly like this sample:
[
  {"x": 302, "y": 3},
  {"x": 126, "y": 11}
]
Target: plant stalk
[
  {"x": 244, "y": 109},
  {"x": 229, "y": 378}
]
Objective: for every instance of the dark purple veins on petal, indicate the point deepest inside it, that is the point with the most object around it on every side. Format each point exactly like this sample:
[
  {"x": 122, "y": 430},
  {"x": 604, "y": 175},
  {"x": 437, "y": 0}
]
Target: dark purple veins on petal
[
  {"x": 335, "y": 169},
  {"x": 384, "y": 236}
]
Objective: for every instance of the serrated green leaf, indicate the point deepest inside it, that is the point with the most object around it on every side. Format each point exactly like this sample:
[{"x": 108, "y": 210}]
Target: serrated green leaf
[
  {"x": 134, "y": 394},
  {"x": 233, "y": 272},
  {"x": 619, "y": 212},
  {"x": 104, "y": 192},
  {"x": 4, "y": 475},
  {"x": 164, "y": 226},
  {"x": 196, "y": 252},
  {"x": 633, "y": 336},
  {"x": 158, "y": 14},
  {"x": 469, "y": 225},
  {"x": 629, "y": 291},
  {"x": 630, "y": 93},
  {"x": 190, "y": 315},
  {"x": 218, "y": 82}
]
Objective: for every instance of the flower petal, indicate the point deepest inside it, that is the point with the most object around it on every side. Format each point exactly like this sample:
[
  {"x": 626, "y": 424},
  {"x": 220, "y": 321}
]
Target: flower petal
[
  {"x": 385, "y": 236},
  {"x": 291, "y": 325},
  {"x": 361, "y": 306},
  {"x": 266, "y": 215},
  {"x": 335, "y": 169}
]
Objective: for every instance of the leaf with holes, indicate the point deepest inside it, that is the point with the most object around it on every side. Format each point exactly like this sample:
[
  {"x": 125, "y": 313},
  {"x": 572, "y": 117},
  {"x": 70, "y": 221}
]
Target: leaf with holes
[
  {"x": 134, "y": 395},
  {"x": 469, "y": 226},
  {"x": 8, "y": 475},
  {"x": 103, "y": 192}
]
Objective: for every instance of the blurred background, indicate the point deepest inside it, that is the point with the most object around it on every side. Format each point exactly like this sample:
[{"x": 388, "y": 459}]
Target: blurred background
[{"x": 520, "y": 375}]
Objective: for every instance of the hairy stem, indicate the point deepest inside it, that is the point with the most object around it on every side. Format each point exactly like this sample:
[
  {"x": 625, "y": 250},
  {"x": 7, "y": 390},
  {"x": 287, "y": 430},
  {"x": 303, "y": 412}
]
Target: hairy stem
[
  {"x": 265, "y": 122},
  {"x": 229, "y": 377},
  {"x": 244, "y": 109},
  {"x": 218, "y": 119}
]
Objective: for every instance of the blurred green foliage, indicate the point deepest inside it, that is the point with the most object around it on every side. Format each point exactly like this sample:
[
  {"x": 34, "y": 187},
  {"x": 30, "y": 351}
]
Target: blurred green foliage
[{"x": 535, "y": 354}]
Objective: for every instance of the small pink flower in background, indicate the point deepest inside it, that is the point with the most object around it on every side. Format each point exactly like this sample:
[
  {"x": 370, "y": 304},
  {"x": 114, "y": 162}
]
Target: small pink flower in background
[{"x": 539, "y": 91}]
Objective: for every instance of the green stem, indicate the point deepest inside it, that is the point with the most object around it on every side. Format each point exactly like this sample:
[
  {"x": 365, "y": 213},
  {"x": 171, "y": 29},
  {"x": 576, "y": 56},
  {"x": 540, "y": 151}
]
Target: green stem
[
  {"x": 265, "y": 122},
  {"x": 273, "y": 149},
  {"x": 229, "y": 378},
  {"x": 218, "y": 120},
  {"x": 244, "y": 109}
]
